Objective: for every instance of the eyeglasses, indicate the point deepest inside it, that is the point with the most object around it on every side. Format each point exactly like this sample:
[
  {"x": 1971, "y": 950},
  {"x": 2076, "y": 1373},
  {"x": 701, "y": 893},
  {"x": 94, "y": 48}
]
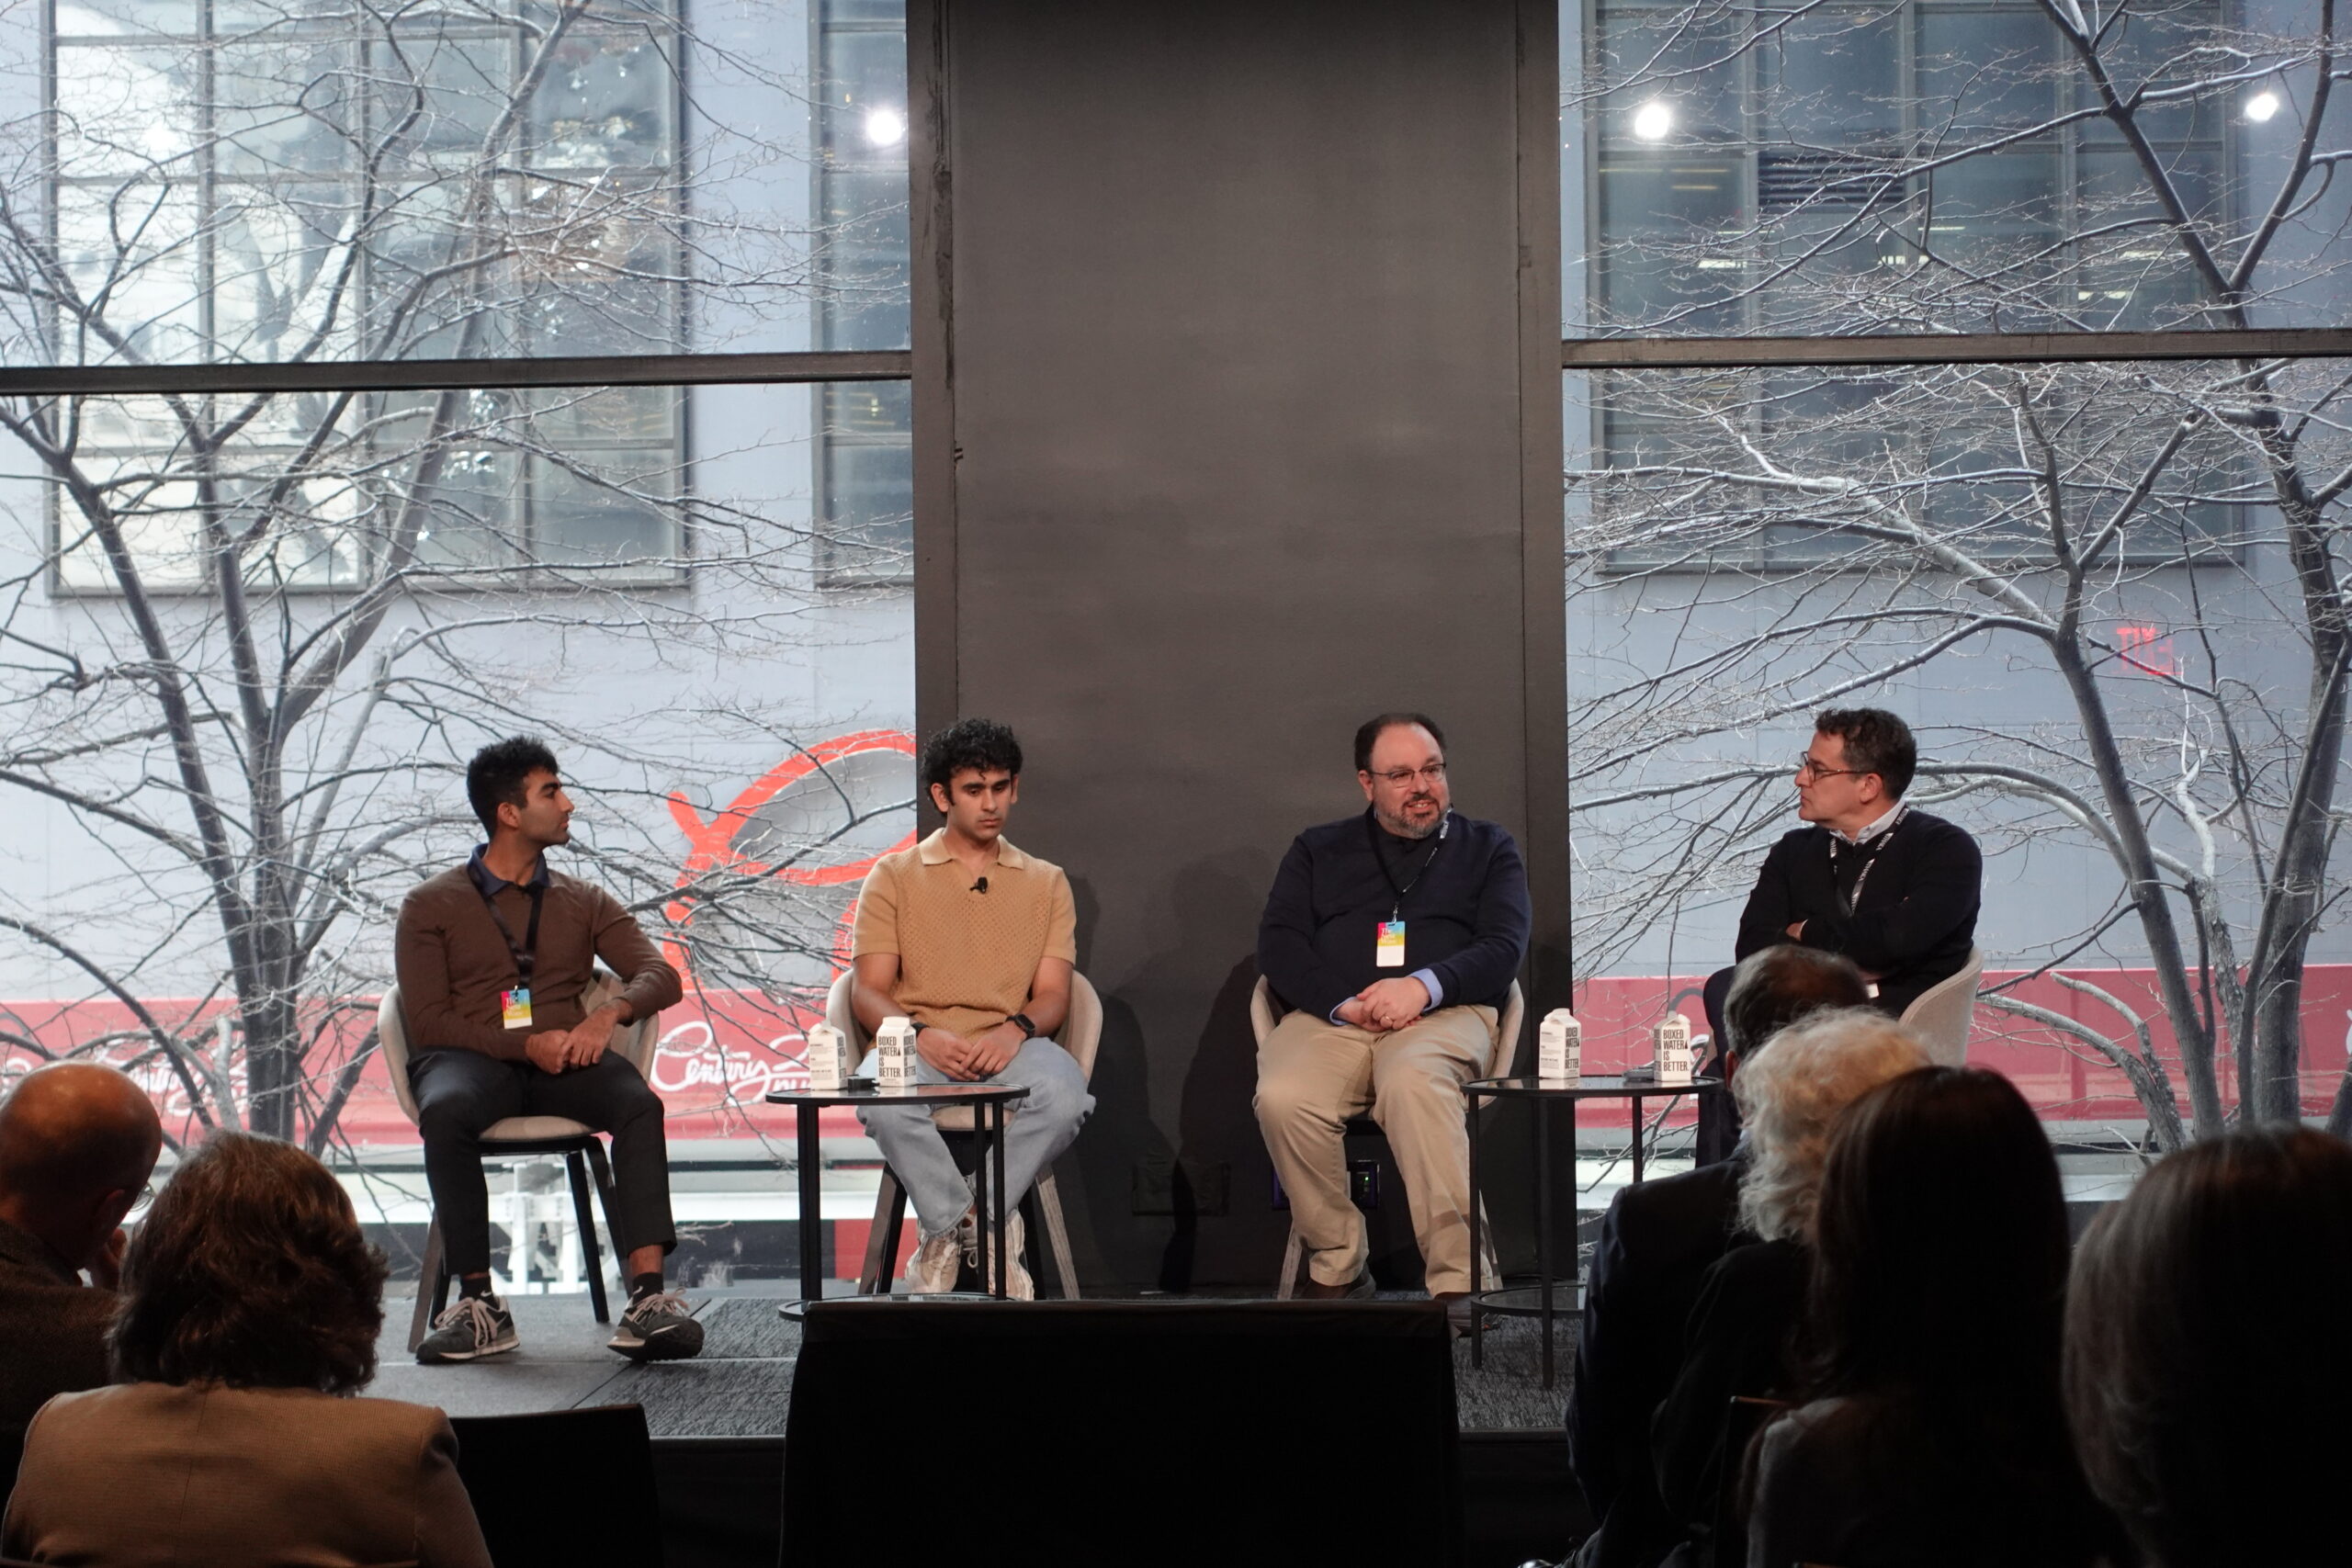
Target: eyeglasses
[
  {"x": 1397, "y": 778},
  {"x": 1808, "y": 770}
]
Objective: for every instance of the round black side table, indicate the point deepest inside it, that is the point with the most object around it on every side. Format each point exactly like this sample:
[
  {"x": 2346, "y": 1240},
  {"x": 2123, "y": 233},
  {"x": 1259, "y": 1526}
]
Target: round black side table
[
  {"x": 1536, "y": 1300},
  {"x": 988, "y": 1101}
]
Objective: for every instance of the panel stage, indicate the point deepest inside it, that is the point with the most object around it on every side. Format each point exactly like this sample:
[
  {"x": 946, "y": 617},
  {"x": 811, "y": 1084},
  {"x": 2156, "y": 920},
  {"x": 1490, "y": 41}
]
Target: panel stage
[{"x": 717, "y": 1421}]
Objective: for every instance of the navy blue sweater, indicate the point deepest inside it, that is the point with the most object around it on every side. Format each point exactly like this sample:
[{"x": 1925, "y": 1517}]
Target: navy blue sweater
[{"x": 1466, "y": 918}]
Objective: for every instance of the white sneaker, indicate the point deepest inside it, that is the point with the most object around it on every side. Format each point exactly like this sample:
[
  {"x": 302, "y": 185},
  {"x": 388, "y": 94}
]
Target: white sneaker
[
  {"x": 1018, "y": 1286},
  {"x": 931, "y": 1270}
]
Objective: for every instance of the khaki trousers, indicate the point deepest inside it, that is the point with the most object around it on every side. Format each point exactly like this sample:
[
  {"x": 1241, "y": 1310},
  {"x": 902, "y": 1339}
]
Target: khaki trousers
[{"x": 1313, "y": 1074}]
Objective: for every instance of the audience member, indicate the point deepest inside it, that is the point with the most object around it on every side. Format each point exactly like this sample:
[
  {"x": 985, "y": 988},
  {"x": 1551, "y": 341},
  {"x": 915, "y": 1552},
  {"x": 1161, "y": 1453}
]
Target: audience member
[
  {"x": 77, "y": 1144},
  {"x": 1933, "y": 1334},
  {"x": 976, "y": 942},
  {"x": 495, "y": 958},
  {"x": 1656, "y": 1241},
  {"x": 1737, "y": 1341},
  {"x": 251, "y": 1307},
  {"x": 1394, "y": 936},
  {"x": 2206, "y": 1375},
  {"x": 1893, "y": 889}
]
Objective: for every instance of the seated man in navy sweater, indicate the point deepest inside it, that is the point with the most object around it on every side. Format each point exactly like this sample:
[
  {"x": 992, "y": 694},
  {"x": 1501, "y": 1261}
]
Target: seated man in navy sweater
[{"x": 1394, "y": 936}]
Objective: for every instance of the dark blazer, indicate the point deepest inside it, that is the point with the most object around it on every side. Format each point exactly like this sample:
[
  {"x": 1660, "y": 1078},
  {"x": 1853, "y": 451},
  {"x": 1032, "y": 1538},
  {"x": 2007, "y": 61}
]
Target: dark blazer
[
  {"x": 55, "y": 1328},
  {"x": 165, "y": 1475},
  {"x": 1740, "y": 1342},
  {"x": 1657, "y": 1243},
  {"x": 1914, "y": 923}
]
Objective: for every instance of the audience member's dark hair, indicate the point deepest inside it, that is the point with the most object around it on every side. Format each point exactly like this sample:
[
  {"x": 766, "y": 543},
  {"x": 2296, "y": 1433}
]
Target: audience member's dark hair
[
  {"x": 971, "y": 743},
  {"x": 250, "y": 1270},
  {"x": 1936, "y": 1306},
  {"x": 494, "y": 778},
  {"x": 2206, "y": 1375},
  {"x": 1939, "y": 1246},
  {"x": 1876, "y": 742},
  {"x": 1775, "y": 987}
]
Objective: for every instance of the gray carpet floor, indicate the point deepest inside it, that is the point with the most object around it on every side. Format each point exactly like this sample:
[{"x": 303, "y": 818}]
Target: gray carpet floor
[{"x": 741, "y": 1383}]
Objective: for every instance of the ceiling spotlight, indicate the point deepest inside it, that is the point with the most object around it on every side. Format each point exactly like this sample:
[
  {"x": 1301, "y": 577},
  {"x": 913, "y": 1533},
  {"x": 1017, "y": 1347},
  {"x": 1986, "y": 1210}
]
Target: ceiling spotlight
[
  {"x": 2261, "y": 106},
  {"x": 1654, "y": 120},
  {"x": 886, "y": 128}
]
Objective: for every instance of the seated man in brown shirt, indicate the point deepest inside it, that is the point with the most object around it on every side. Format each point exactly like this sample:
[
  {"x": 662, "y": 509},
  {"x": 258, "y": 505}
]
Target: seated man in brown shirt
[
  {"x": 493, "y": 957},
  {"x": 77, "y": 1144},
  {"x": 974, "y": 942}
]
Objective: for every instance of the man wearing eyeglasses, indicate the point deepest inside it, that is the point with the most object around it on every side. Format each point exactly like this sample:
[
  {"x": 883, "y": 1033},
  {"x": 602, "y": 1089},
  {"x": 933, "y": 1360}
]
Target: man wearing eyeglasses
[
  {"x": 1893, "y": 888},
  {"x": 1393, "y": 936}
]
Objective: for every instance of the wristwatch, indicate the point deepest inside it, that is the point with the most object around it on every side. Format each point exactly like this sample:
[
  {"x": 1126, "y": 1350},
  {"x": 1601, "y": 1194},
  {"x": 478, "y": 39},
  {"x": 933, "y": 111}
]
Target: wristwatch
[{"x": 1028, "y": 1025}]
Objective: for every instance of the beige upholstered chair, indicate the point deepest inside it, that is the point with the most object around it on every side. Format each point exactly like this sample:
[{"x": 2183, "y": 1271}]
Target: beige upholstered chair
[
  {"x": 521, "y": 1135},
  {"x": 1080, "y": 1034},
  {"x": 1943, "y": 1013},
  {"x": 1266, "y": 1009}
]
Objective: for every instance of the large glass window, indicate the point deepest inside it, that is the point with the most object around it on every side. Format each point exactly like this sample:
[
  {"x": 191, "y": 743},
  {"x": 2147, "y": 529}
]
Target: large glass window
[{"x": 867, "y": 451}]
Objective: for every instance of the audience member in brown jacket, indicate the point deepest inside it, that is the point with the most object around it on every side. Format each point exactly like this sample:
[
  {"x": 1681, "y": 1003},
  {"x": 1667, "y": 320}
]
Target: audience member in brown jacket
[
  {"x": 77, "y": 1144},
  {"x": 251, "y": 1307},
  {"x": 495, "y": 959}
]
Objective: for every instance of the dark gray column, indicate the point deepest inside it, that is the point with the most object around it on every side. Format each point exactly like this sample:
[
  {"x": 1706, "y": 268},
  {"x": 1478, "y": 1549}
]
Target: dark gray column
[{"x": 1237, "y": 421}]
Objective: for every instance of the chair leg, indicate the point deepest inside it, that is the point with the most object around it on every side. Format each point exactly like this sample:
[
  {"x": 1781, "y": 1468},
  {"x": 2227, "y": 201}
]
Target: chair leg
[
  {"x": 609, "y": 1195},
  {"x": 432, "y": 1286},
  {"x": 591, "y": 1260},
  {"x": 882, "y": 1237},
  {"x": 1287, "y": 1286},
  {"x": 1046, "y": 1200}
]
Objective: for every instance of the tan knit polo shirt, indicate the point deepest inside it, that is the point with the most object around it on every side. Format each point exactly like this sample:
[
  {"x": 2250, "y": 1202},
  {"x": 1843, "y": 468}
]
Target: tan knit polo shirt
[{"x": 965, "y": 958}]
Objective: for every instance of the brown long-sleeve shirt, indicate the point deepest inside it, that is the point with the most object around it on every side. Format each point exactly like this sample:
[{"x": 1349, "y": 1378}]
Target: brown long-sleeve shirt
[{"x": 453, "y": 961}]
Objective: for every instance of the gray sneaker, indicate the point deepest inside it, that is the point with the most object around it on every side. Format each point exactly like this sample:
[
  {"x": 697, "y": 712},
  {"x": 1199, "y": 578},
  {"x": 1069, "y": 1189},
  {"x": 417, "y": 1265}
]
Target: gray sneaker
[
  {"x": 473, "y": 1327},
  {"x": 657, "y": 1327}
]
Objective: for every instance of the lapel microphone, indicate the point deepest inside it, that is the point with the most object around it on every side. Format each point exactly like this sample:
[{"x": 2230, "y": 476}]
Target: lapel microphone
[{"x": 981, "y": 886}]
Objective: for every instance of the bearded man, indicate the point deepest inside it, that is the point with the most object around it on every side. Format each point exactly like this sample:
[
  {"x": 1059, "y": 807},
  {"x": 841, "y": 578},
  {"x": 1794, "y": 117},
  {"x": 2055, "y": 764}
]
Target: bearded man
[{"x": 1394, "y": 937}]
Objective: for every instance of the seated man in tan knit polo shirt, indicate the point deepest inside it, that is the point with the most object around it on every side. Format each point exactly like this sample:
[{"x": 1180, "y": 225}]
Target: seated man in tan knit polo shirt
[{"x": 976, "y": 942}]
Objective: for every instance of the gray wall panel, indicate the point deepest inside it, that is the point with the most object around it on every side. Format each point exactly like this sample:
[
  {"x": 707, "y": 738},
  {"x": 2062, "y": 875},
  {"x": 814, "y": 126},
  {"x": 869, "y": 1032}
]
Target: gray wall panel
[{"x": 1234, "y": 314}]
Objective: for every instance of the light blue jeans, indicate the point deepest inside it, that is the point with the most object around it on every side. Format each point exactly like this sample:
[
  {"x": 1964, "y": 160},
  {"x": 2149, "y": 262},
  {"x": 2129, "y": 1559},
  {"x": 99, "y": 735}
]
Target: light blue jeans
[{"x": 1037, "y": 1131}]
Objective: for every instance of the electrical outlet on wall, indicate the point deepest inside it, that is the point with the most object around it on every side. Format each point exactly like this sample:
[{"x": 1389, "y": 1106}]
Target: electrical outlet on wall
[{"x": 1171, "y": 1186}]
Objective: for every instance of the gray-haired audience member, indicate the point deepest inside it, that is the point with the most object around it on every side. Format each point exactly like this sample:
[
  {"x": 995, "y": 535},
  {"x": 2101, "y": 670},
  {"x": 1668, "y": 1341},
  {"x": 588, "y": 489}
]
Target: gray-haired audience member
[
  {"x": 2207, "y": 1373},
  {"x": 1657, "y": 1241},
  {"x": 251, "y": 1303},
  {"x": 1749, "y": 1301},
  {"x": 77, "y": 1144}
]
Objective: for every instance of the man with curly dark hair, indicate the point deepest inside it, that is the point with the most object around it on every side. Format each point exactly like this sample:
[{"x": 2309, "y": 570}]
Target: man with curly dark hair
[
  {"x": 77, "y": 1144},
  {"x": 496, "y": 959},
  {"x": 975, "y": 941},
  {"x": 251, "y": 1303}
]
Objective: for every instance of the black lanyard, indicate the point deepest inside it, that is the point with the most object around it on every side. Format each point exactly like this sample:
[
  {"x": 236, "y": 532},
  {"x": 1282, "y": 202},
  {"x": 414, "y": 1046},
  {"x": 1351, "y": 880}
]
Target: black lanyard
[
  {"x": 1389, "y": 877},
  {"x": 1878, "y": 847},
  {"x": 526, "y": 951}
]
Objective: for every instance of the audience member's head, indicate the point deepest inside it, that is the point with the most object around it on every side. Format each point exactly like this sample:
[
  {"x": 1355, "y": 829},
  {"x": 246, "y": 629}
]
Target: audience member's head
[
  {"x": 1790, "y": 1098},
  {"x": 1939, "y": 1248},
  {"x": 2207, "y": 1380},
  {"x": 1776, "y": 986},
  {"x": 77, "y": 1144},
  {"x": 251, "y": 1270}
]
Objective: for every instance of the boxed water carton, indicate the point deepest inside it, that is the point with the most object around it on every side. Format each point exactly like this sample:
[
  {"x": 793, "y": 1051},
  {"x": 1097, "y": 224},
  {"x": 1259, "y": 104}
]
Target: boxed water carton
[
  {"x": 828, "y": 1059},
  {"x": 893, "y": 1054},
  {"x": 1671, "y": 1043},
  {"x": 1559, "y": 1047}
]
